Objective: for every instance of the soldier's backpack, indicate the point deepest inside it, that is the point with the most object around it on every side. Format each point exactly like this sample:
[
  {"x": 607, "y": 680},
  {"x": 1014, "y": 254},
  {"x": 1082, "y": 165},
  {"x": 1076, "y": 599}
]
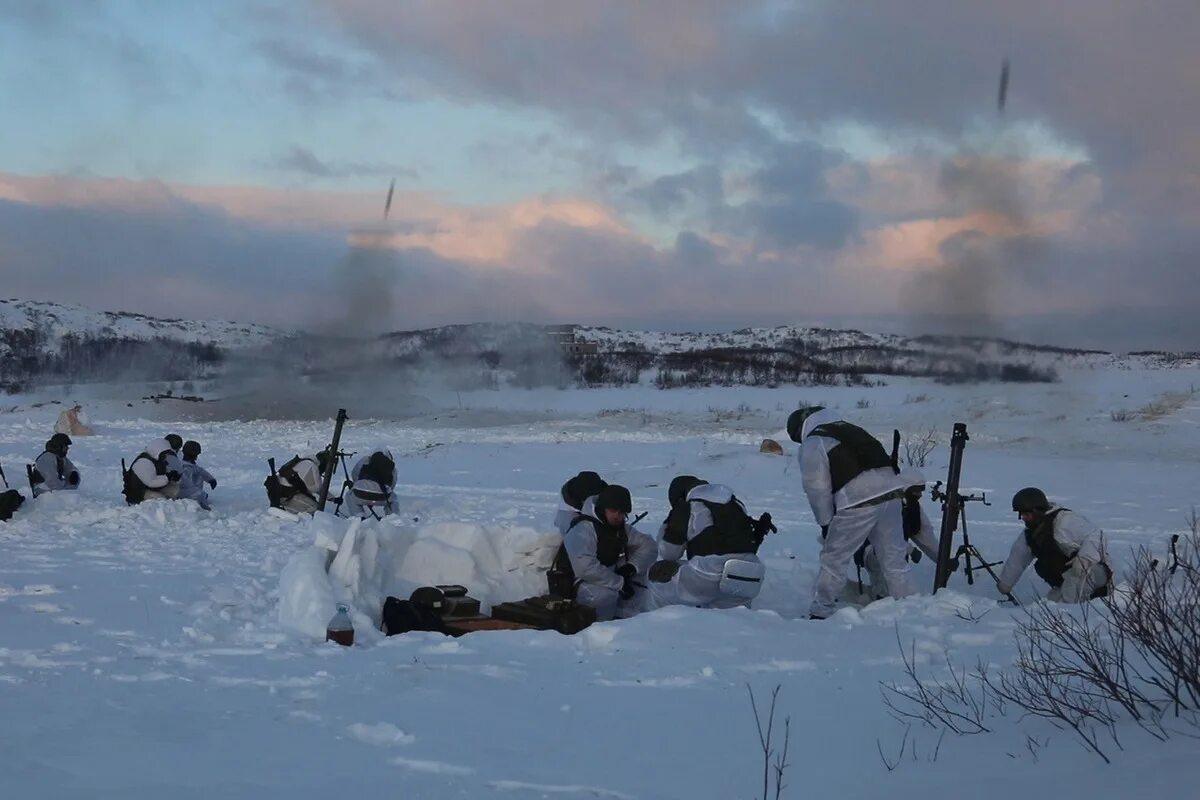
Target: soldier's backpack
[
  {"x": 10, "y": 501},
  {"x": 732, "y": 530},
  {"x": 402, "y": 616},
  {"x": 132, "y": 486}
]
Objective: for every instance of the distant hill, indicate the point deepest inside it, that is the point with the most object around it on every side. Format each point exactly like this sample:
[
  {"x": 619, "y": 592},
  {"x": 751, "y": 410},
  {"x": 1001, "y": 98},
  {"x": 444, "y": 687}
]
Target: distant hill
[{"x": 42, "y": 341}]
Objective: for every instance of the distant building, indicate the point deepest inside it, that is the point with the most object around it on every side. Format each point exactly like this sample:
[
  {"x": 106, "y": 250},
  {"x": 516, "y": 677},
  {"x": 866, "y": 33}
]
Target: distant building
[{"x": 564, "y": 337}]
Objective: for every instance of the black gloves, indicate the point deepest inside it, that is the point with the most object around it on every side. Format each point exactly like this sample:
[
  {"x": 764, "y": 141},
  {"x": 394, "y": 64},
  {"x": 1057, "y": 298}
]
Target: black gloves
[
  {"x": 627, "y": 571},
  {"x": 663, "y": 571},
  {"x": 824, "y": 531},
  {"x": 173, "y": 476},
  {"x": 160, "y": 467},
  {"x": 73, "y": 479},
  {"x": 763, "y": 526},
  {"x": 213, "y": 483},
  {"x": 915, "y": 555}
]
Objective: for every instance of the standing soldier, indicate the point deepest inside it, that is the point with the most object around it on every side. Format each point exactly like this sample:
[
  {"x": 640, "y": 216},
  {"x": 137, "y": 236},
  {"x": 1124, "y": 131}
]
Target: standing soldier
[{"x": 854, "y": 492}]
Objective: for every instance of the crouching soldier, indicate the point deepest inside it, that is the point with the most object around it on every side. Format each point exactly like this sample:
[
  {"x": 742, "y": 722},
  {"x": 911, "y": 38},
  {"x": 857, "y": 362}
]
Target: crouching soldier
[
  {"x": 606, "y": 559},
  {"x": 371, "y": 483},
  {"x": 52, "y": 470},
  {"x": 297, "y": 484},
  {"x": 711, "y": 527},
  {"x": 575, "y": 493},
  {"x": 150, "y": 476},
  {"x": 193, "y": 477},
  {"x": 1066, "y": 550}
]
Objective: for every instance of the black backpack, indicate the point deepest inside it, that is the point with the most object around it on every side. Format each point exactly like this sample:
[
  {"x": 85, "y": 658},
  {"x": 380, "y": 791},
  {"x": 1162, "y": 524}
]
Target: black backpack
[
  {"x": 856, "y": 452},
  {"x": 132, "y": 486},
  {"x": 402, "y": 616},
  {"x": 10, "y": 501},
  {"x": 732, "y": 531}
]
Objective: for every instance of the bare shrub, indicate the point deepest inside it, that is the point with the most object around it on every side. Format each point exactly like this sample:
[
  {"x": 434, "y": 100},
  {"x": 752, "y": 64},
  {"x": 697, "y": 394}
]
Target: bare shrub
[
  {"x": 862, "y": 403},
  {"x": 777, "y": 767},
  {"x": 1135, "y": 656},
  {"x": 1121, "y": 415},
  {"x": 918, "y": 447},
  {"x": 959, "y": 703}
]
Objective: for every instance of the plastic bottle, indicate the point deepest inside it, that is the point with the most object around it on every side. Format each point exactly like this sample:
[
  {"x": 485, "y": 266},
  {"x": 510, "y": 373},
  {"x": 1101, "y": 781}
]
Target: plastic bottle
[{"x": 340, "y": 629}]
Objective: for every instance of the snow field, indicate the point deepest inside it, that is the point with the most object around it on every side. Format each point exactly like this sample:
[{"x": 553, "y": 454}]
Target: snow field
[{"x": 160, "y": 650}]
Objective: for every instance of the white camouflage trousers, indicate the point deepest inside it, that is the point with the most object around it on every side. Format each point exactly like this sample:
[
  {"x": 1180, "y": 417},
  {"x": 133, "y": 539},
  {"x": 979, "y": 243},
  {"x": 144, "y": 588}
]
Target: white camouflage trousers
[{"x": 881, "y": 525}]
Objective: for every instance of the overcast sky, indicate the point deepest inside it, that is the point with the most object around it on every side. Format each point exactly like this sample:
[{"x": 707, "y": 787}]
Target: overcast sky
[{"x": 665, "y": 163}]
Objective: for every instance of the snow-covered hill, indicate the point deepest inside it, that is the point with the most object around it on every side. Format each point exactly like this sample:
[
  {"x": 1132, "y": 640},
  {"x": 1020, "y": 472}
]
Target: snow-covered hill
[
  {"x": 53, "y": 321},
  {"x": 40, "y": 340}
]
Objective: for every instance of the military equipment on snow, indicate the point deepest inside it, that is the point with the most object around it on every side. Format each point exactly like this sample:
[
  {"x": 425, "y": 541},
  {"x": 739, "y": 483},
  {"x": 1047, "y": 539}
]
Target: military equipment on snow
[
  {"x": 951, "y": 507},
  {"x": 332, "y": 460},
  {"x": 954, "y": 516},
  {"x": 547, "y": 612},
  {"x": 10, "y": 499}
]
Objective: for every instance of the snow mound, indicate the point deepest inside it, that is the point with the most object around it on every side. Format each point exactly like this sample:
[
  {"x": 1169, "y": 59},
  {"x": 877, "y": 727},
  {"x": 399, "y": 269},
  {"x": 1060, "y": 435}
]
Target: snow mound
[{"x": 375, "y": 559}]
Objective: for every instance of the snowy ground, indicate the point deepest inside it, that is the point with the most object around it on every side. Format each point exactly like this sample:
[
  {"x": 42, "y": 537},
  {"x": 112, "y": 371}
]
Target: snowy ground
[{"x": 142, "y": 653}]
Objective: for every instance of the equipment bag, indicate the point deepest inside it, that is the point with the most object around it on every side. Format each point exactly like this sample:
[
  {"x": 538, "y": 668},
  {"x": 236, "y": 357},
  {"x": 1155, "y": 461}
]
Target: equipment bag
[
  {"x": 10, "y": 501},
  {"x": 742, "y": 579},
  {"x": 547, "y": 613},
  {"x": 402, "y": 616}
]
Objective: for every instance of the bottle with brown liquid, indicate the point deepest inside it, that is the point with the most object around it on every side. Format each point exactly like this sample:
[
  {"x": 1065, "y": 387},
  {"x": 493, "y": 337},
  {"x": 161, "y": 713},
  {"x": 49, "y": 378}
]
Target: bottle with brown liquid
[{"x": 340, "y": 629}]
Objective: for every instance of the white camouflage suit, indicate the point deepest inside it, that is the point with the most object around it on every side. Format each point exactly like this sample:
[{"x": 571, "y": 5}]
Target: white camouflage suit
[
  {"x": 1081, "y": 541},
  {"x": 308, "y": 475},
  {"x": 849, "y": 521},
  {"x": 698, "y": 581},
  {"x": 599, "y": 586},
  {"x": 158, "y": 487},
  {"x": 924, "y": 539},
  {"x": 47, "y": 465},
  {"x": 356, "y": 506}
]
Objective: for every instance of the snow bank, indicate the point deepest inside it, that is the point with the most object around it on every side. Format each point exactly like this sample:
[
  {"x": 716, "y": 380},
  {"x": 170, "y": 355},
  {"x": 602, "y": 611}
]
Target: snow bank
[{"x": 375, "y": 559}]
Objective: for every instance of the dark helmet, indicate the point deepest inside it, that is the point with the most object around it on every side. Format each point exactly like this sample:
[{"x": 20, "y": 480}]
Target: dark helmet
[
  {"x": 578, "y": 489},
  {"x": 381, "y": 468},
  {"x": 613, "y": 497},
  {"x": 680, "y": 486},
  {"x": 175, "y": 440},
  {"x": 429, "y": 597},
  {"x": 795, "y": 422},
  {"x": 1030, "y": 499},
  {"x": 58, "y": 443},
  {"x": 191, "y": 450}
]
